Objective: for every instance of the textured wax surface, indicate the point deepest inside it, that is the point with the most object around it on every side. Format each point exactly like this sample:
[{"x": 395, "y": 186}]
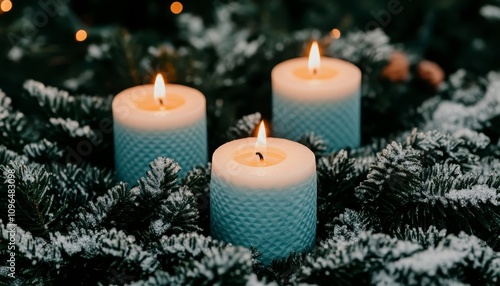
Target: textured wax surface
[
  {"x": 135, "y": 149},
  {"x": 337, "y": 121},
  {"x": 275, "y": 221}
]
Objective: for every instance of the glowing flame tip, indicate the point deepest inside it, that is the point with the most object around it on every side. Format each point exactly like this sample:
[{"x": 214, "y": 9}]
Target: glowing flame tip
[
  {"x": 314, "y": 59},
  {"x": 261, "y": 137},
  {"x": 159, "y": 89}
]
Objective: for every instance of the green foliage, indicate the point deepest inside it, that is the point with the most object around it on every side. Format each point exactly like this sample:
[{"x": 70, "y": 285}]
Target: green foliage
[
  {"x": 56, "y": 103},
  {"x": 336, "y": 182},
  {"x": 348, "y": 226},
  {"x": 391, "y": 180},
  {"x": 7, "y": 155},
  {"x": 455, "y": 201},
  {"x": 244, "y": 127},
  {"x": 164, "y": 206},
  {"x": 198, "y": 181},
  {"x": 463, "y": 259},
  {"x": 315, "y": 143},
  {"x": 439, "y": 147},
  {"x": 354, "y": 263},
  {"x": 426, "y": 238},
  {"x": 34, "y": 197},
  {"x": 376, "y": 259},
  {"x": 43, "y": 151},
  {"x": 391, "y": 212},
  {"x": 197, "y": 260},
  {"x": 113, "y": 205}
]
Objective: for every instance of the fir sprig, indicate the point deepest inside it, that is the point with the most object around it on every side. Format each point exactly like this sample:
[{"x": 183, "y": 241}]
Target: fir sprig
[
  {"x": 391, "y": 180},
  {"x": 34, "y": 197}
]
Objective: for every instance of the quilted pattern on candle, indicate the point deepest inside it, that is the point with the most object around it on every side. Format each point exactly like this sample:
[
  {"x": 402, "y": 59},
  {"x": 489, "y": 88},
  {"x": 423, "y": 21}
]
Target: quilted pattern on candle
[
  {"x": 276, "y": 221},
  {"x": 135, "y": 149},
  {"x": 338, "y": 122}
]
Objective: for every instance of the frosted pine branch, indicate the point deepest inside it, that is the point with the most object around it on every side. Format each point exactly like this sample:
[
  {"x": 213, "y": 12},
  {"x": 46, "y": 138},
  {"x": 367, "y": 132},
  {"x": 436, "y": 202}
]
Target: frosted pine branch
[
  {"x": 160, "y": 179},
  {"x": 244, "y": 127},
  {"x": 43, "y": 151}
]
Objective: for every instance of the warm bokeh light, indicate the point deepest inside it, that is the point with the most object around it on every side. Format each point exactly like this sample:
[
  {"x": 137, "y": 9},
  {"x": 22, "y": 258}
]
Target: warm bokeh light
[
  {"x": 314, "y": 59},
  {"x": 335, "y": 33},
  {"x": 81, "y": 35},
  {"x": 6, "y": 5},
  {"x": 261, "y": 143},
  {"x": 176, "y": 7},
  {"x": 159, "y": 91}
]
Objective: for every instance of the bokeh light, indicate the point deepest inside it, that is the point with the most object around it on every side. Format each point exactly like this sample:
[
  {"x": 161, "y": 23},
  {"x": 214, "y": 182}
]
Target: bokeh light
[
  {"x": 6, "y": 5},
  {"x": 81, "y": 35},
  {"x": 176, "y": 7},
  {"x": 335, "y": 33}
]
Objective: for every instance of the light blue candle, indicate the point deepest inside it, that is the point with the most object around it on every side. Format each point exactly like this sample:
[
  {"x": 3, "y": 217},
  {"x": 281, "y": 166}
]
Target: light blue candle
[
  {"x": 146, "y": 128},
  {"x": 269, "y": 204},
  {"x": 325, "y": 101}
]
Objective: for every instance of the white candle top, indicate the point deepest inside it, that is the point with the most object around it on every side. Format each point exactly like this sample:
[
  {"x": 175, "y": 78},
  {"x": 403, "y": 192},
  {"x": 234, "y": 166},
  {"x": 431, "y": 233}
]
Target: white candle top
[
  {"x": 334, "y": 79},
  {"x": 295, "y": 163},
  {"x": 133, "y": 107}
]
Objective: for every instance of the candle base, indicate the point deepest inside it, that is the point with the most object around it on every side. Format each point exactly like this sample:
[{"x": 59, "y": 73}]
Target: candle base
[
  {"x": 338, "y": 122},
  {"x": 275, "y": 221},
  {"x": 135, "y": 149}
]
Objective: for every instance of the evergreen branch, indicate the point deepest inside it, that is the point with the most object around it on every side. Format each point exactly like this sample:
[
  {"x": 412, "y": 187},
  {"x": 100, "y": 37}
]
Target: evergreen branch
[
  {"x": 14, "y": 129},
  {"x": 158, "y": 278},
  {"x": 43, "y": 151},
  {"x": 166, "y": 208},
  {"x": 182, "y": 247},
  {"x": 336, "y": 182},
  {"x": 57, "y": 103},
  {"x": 63, "y": 128},
  {"x": 430, "y": 237},
  {"x": 176, "y": 214},
  {"x": 438, "y": 147},
  {"x": 346, "y": 228},
  {"x": 7, "y": 155},
  {"x": 315, "y": 143},
  {"x": 108, "y": 210},
  {"x": 354, "y": 263},
  {"x": 464, "y": 258},
  {"x": 280, "y": 270},
  {"x": 231, "y": 266},
  {"x": 451, "y": 116},
  {"x": 63, "y": 256},
  {"x": 244, "y": 127},
  {"x": 455, "y": 201},
  {"x": 5, "y": 103},
  {"x": 391, "y": 180},
  {"x": 79, "y": 185},
  {"x": 160, "y": 179},
  {"x": 363, "y": 48},
  {"x": 198, "y": 181},
  {"x": 34, "y": 196}
]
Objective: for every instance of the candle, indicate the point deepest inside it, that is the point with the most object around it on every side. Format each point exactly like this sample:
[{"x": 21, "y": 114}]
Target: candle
[
  {"x": 320, "y": 95},
  {"x": 160, "y": 120},
  {"x": 263, "y": 194}
]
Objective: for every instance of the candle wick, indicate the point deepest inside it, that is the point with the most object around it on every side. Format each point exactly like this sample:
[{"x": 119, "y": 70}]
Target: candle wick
[
  {"x": 161, "y": 101},
  {"x": 261, "y": 157},
  {"x": 315, "y": 71}
]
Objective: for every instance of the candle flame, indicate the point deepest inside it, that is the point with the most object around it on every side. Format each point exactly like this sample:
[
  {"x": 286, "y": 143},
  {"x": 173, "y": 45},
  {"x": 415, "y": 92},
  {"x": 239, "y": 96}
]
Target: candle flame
[
  {"x": 314, "y": 59},
  {"x": 159, "y": 90},
  {"x": 261, "y": 144}
]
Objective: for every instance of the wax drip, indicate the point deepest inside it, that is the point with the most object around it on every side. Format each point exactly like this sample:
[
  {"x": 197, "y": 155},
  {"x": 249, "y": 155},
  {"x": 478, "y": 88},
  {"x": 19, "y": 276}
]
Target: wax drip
[{"x": 261, "y": 157}]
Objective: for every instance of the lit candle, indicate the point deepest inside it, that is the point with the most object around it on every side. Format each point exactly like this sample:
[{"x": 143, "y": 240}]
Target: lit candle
[
  {"x": 320, "y": 95},
  {"x": 263, "y": 194},
  {"x": 160, "y": 120}
]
